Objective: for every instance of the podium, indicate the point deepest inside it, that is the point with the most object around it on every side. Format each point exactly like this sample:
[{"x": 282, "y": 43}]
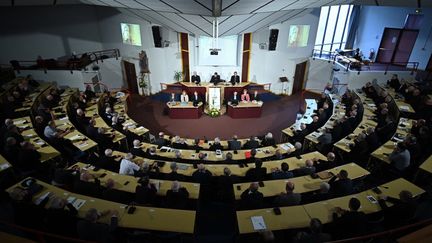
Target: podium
[{"x": 214, "y": 98}]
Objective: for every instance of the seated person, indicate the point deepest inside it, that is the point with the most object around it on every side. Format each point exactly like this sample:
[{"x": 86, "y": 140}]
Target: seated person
[
  {"x": 308, "y": 169},
  {"x": 90, "y": 230},
  {"x": 195, "y": 78},
  {"x": 184, "y": 98},
  {"x": 235, "y": 79},
  {"x": 245, "y": 96},
  {"x": 215, "y": 79},
  {"x": 252, "y": 143},
  {"x": 255, "y": 97},
  {"x": 196, "y": 99},
  {"x": 83, "y": 185},
  {"x": 321, "y": 165},
  {"x": 288, "y": 198},
  {"x": 202, "y": 175},
  {"x": 216, "y": 145},
  {"x": 177, "y": 197},
  {"x": 358, "y": 55},
  {"x": 196, "y": 145},
  {"x": 161, "y": 141},
  {"x": 401, "y": 211},
  {"x": 127, "y": 167},
  {"x": 282, "y": 173},
  {"x": 341, "y": 185},
  {"x": 315, "y": 233},
  {"x": 145, "y": 192},
  {"x": 173, "y": 98},
  {"x": 268, "y": 140},
  {"x": 234, "y": 99},
  {"x": 107, "y": 161},
  {"x": 400, "y": 157},
  {"x": 137, "y": 150},
  {"x": 258, "y": 173},
  {"x": 350, "y": 223},
  {"x": 174, "y": 175},
  {"x": 394, "y": 82},
  {"x": 234, "y": 144},
  {"x": 251, "y": 198}
]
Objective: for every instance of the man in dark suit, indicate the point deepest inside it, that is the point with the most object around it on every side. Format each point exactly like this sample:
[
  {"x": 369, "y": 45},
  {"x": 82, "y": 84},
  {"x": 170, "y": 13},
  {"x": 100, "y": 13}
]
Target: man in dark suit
[
  {"x": 107, "y": 161},
  {"x": 196, "y": 146},
  {"x": 177, "y": 197},
  {"x": 234, "y": 98},
  {"x": 252, "y": 143},
  {"x": 58, "y": 219},
  {"x": 90, "y": 230},
  {"x": 341, "y": 185},
  {"x": 145, "y": 192},
  {"x": 321, "y": 165},
  {"x": 91, "y": 130},
  {"x": 289, "y": 197},
  {"x": 216, "y": 145},
  {"x": 401, "y": 212},
  {"x": 372, "y": 139},
  {"x": 161, "y": 141},
  {"x": 174, "y": 175},
  {"x": 137, "y": 150},
  {"x": 196, "y": 99},
  {"x": 308, "y": 169},
  {"x": 251, "y": 198},
  {"x": 234, "y": 144},
  {"x": 282, "y": 173},
  {"x": 255, "y": 96},
  {"x": 115, "y": 195},
  {"x": 195, "y": 78},
  {"x": 83, "y": 185},
  {"x": 215, "y": 79},
  {"x": 350, "y": 223},
  {"x": 202, "y": 175},
  {"x": 258, "y": 173},
  {"x": 268, "y": 140},
  {"x": 235, "y": 79},
  {"x": 225, "y": 185}
]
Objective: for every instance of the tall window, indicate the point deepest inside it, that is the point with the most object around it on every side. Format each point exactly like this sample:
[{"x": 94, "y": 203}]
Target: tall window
[{"x": 333, "y": 28}]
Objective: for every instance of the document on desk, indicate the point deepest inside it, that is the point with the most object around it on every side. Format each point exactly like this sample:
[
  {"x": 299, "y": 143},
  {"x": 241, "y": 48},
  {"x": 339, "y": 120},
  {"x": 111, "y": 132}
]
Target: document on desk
[
  {"x": 78, "y": 203},
  {"x": 258, "y": 223},
  {"x": 287, "y": 146}
]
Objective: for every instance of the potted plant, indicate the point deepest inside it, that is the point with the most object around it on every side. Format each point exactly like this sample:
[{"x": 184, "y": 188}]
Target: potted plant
[
  {"x": 214, "y": 112},
  {"x": 178, "y": 76}
]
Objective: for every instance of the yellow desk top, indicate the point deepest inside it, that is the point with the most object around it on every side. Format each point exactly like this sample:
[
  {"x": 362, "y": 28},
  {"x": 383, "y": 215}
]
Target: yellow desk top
[
  {"x": 291, "y": 217},
  {"x": 302, "y": 183},
  {"x": 4, "y": 164},
  {"x": 323, "y": 210},
  {"x": 148, "y": 218},
  {"x": 403, "y": 129},
  {"x": 133, "y": 127},
  {"x": 263, "y": 152},
  {"x": 92, "y": 111},
  {"x": 427, "y": 165},
  {"x": 46, "y": 151},
  {"x": 119, "y": 180}
]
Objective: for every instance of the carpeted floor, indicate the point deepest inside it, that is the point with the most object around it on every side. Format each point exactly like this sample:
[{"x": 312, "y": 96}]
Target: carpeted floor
[{"x": 276, "y": 115}]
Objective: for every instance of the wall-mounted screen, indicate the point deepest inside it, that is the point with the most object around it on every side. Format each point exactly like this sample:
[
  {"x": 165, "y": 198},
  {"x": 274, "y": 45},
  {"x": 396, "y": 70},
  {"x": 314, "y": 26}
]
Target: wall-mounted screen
[
  {"x": 227, "y": 56},
  {"x": 298, "y": 35},
  {"x": 131, "y": 34}
]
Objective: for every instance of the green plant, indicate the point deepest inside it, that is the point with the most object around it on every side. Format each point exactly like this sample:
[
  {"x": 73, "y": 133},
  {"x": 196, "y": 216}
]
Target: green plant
[
  {"x": 142, "y": 83},
  {"x": 178, "y": 76},
  {"x": 214, "y": 112}
]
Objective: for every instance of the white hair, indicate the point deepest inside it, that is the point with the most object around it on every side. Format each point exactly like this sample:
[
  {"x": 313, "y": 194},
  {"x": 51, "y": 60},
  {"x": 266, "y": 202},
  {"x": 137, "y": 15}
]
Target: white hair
[{"x": 108, "y": 152}]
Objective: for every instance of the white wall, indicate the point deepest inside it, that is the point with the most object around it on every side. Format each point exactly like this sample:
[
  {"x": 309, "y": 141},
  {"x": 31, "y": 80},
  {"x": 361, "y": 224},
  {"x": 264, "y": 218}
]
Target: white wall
[
  {"x": 319, "y": 73},
  {"x": 49, "y": 31},
  {"x": 63, "y": 78},
  {"x": 206, "y": 72},
  {"x": 267, "y": 66},
  {"x": 373, "y": 21},
  {"x": 163, "y": 62}
]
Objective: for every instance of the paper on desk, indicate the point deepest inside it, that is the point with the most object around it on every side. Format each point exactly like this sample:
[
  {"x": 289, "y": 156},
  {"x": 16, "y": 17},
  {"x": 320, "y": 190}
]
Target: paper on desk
[
  {"x": 404, "y": 108},
  {"x": 182, "y": 166},
  {"x": 71, "y": 199},
  {"x": 41, "y": 198},
  {"x": 287, "y": 146},
  {"x": 19, "y": 122},
  {"x": 78, "y": 203},
  {"x": 64, "y": 118},
  {"x": 81, "y": 145},
  {"x": 140, "y": 128},
  {"x": 4, "y": 166},
  {"x": 75, "y": 137},
  {"x": 40, "y": 142},
  {"x": 258, "y": 223}
]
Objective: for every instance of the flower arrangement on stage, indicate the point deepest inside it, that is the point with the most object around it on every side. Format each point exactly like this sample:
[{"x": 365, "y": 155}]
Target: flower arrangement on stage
[{"x": 214, "y": 112}]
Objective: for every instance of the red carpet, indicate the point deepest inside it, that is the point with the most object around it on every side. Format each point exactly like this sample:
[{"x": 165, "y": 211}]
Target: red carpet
[{"x": 276, "y": 115}]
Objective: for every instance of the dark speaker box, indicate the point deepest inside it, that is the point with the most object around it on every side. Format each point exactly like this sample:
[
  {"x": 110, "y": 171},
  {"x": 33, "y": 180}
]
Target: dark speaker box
[
  {"x": 157, "y": 39},
  {"x": 273, "y": 39}
]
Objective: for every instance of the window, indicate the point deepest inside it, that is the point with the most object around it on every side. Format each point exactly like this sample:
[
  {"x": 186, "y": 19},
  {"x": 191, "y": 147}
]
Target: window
[{"x": 332, "y": 28}]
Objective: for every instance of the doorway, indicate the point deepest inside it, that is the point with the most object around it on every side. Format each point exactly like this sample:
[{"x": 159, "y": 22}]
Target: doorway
[
  {"x": 396, "y": 46},
  {"x": 131, "y": 78},
  {"x": 299, "y": 77}
]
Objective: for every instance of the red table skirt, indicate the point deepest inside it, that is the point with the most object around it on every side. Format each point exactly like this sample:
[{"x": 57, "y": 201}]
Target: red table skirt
[
  {"x": 244, "y": 112},
  {"x": 185, "y": 113}
]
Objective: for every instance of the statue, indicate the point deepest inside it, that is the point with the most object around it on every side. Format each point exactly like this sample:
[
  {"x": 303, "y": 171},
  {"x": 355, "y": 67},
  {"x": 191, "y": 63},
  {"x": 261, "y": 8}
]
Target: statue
[{"x": 143, "y": 62}]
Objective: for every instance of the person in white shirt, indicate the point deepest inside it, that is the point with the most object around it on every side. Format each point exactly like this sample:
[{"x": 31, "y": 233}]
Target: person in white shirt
[
  {"x": 184, "y": 97},
  {"x": 127, "y": 167}
]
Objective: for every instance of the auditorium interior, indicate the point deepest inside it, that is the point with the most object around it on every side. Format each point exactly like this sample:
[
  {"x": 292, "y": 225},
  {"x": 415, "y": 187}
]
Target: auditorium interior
[{"x": 226, "y": 121}]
